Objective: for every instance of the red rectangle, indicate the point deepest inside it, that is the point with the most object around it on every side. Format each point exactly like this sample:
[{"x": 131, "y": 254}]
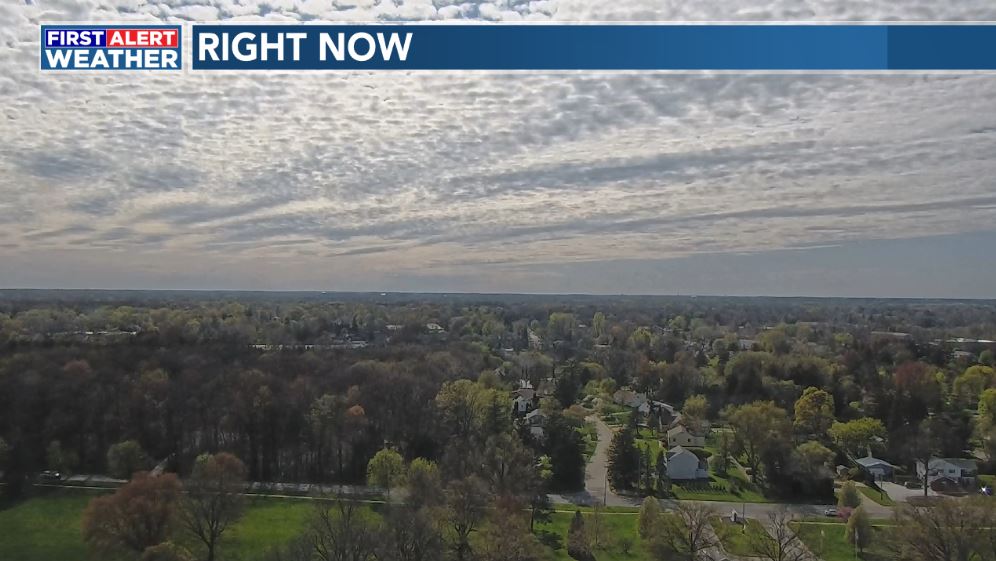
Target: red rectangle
[{"x": 142, "y": 38}]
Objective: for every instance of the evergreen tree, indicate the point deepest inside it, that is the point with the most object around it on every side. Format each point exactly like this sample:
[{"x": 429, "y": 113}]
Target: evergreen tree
[
  {"x": 663, "y": 481},
  {"x": 624, "y": 459},
  {"x": 650, "y": 517},
  {"x": 578, "y": 546}
]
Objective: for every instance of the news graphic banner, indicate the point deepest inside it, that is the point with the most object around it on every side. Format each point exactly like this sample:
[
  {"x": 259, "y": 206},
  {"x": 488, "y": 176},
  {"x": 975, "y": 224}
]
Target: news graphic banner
[
  {"x": 287, "y": 47},
  {"x": 111, "y": 47}
]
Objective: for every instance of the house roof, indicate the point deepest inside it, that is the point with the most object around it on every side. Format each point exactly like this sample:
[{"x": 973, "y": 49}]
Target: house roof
[
  {"x": 960, "y": 463},
  {"x": 869, "y": 461},
  {"x": 678, "y": 450},
  {"x": 678, "y": 429},
  {"x": 535, "y": 413}
]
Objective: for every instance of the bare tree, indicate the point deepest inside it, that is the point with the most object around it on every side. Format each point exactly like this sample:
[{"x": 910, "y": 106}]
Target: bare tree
[
  {"x": 688, "y": 534},
  {"x": 948, "y": 530},
  {"x": 214, "y": 498},
  {"x": 780, "y": 542},
  {"x": 466, "y": 504},
  {"x": 343, "y": 530},
  {"x": 411, "y": 534}
]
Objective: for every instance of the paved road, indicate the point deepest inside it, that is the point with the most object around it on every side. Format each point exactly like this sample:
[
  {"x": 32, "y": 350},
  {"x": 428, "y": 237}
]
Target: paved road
[{"x": 597, "y": 491}]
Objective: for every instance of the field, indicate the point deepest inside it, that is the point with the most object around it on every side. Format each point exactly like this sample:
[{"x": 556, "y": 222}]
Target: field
[
  {"x": 47, "y": 528},
  {"x": 737, "y": 539},
  {"x": 829, "y": 542},
  {"x": 880, "y": 498}
]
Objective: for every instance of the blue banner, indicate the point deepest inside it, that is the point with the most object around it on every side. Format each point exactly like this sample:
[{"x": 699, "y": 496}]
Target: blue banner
[{"x": 594, "y": 47}]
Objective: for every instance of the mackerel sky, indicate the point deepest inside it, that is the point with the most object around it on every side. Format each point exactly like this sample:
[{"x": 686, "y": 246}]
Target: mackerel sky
[{"x": 654, "y": 183}]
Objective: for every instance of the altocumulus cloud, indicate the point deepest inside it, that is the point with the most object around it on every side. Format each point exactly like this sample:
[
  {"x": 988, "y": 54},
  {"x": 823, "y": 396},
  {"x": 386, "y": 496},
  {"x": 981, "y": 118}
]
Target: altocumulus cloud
[{"x": 477, "y": 181}]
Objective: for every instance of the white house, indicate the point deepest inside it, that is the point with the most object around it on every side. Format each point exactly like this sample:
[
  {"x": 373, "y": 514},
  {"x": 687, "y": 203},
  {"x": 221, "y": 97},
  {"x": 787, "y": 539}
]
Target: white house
[
  {"x": 955, "y": 470},
  {"x": 680, "y": 436},
  {"x": 684, "y": 464}
]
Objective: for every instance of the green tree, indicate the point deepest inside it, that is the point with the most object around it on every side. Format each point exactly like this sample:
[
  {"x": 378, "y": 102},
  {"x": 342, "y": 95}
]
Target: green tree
[
  {"x": 757, "y": 428},
  {"x": 425, "y": 486},
  {"x": 987, "y": 404},
  {"x": 856, "y": 436},
  {"x": 624, "y": 459},
  {"x": 971, "y": 383},
  {"x": 859, "y": 529},
  {"x": 814, "y": 413},
  {"x": 578, "y": 545},
  {"x": 126, "y": 458},
  {"x": 386, "y": 469},
  {"x": 695, "y": 410},
  {"x": 650, "y": 517},
  {"x": 811, "y": 459},
  {"x": 849, "y": 496}
]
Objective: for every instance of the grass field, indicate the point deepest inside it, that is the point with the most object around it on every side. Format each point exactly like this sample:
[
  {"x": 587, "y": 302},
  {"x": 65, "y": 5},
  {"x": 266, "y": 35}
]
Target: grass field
[
  {"x": 828, "y": 541},
  {"x": 47, "y": 528},
  {"x": 622, "y": 541},
  {"x": 880, "y": 498},
  {"x": 737, "y": 539}
]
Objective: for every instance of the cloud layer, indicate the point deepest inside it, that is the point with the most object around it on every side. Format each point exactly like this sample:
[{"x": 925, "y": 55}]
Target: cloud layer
[{"x": 471, "y": 181}]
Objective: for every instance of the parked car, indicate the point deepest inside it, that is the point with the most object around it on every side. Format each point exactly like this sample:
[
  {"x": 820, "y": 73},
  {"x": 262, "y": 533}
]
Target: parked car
[
  {"x": 830, "y": 512},
  {"x": 50, "y": 475},
  {"x": 987, "y": 491}
]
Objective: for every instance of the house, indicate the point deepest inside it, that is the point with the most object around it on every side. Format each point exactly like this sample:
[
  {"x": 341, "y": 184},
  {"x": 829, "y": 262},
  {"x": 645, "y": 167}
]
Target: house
[
  {"x": 629, "y": 398},
  {"x": 666, "y": 414},
  {"x": 746, "y": 344},
  {"x": 948, "y": 472},
  {"x": 880, "y": 470},
  {"x": 683, "y": 464},
  {"x": 681, "y": 436},
  {"x": 535, "y": 420},
  {"x": 521, "y": 405}
]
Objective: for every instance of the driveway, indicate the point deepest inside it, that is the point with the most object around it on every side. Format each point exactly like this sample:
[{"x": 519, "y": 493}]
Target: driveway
[
  {"x": 598, "y": 491},
  {"x": 596, "y": 475},
  {"x": 901, "y": 494}
]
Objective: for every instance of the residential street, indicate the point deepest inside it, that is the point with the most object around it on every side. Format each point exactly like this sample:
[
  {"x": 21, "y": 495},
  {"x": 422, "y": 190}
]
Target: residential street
[{"x": 597, "y": 490}]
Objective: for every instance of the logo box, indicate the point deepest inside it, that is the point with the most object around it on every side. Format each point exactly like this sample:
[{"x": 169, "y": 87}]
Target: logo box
[{"x": 111, "y": 47}]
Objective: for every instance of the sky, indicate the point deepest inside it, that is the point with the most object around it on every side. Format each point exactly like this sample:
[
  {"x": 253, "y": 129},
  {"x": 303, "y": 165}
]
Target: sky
[{"x": 637, "y": 183}]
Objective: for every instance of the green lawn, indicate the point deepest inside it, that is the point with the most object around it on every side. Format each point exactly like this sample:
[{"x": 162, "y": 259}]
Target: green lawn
[
  {"x": 620, "y": 531},
  {"x": 589, "y": 434},
  {"x": 47, "y": 528},
  {"x": 748, "y": 493},
  {"x": 44, "y": 528},
  {"x": 828, "y": 541},
  {"x": 880, "y": 498},
  {"x": 737, "y": 538}
]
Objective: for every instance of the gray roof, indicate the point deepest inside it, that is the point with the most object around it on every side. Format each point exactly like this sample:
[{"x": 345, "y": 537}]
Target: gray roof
[
  {"x": 869, "y": 461},
  {"x": 961, "y": 463}
]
